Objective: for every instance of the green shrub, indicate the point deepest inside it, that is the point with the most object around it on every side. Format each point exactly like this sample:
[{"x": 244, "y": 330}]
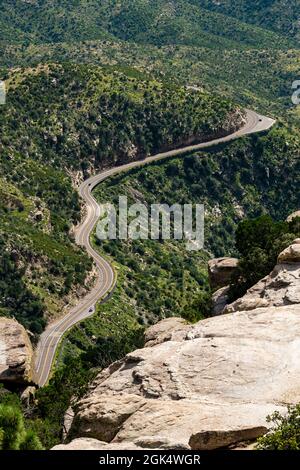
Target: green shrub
[
  {"x": 13, "y": 435},
  {"x": 285, "y": 432}
]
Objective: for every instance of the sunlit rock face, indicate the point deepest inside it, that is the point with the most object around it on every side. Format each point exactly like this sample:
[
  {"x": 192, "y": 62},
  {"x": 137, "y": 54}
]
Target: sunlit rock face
[{"x": 15, "y": 352}]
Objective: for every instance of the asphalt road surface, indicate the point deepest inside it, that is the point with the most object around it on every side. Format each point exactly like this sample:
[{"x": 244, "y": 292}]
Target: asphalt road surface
[{"x": 50, "y": 339}]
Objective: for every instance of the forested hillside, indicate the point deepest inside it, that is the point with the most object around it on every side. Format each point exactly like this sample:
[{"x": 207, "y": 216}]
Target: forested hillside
[
  {"x": 158, "y": 22},
  {"x": 278, "y": 15},
  {"x": 79, "y": 117},
  {"x": 40, "y": 269},
  {"x": 182, "y": 41},
  {"x": 60, "y": 123}
]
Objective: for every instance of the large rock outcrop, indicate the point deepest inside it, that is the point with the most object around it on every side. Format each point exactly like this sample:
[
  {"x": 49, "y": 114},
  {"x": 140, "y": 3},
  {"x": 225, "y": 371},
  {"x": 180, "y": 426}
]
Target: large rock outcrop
[
  {"x": 293, "y": 216},
  {"x": 220, "y": 300},
  {"x": 203, "y": 386},
  {"x": 15, "y": 352},
  {"x": 209, "y": 385},
  {"x": 281, "y": 287},
  {"x": 220, "y": 271}
]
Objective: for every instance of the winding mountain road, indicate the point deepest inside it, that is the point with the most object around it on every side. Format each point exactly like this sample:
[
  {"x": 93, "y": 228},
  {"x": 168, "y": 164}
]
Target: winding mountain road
[{"x": 49, "y": 340}]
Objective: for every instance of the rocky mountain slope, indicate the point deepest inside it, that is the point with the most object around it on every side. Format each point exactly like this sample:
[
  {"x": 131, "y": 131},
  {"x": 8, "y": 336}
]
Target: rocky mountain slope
[{"x": 202, "y": 386}]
